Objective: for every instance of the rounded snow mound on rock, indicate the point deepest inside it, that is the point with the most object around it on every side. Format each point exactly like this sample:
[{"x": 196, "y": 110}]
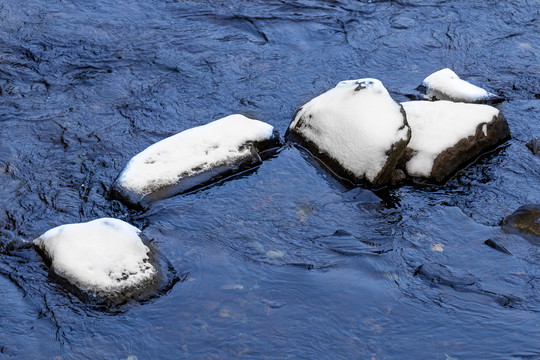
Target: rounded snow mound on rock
[
  {"x": 446, "y": 85},
  {"x": 446, "y": 135},
  {"x": 194, "y": 157},
  {"x": 104, "y": 257},
  {"x": 356, "y": 129}
]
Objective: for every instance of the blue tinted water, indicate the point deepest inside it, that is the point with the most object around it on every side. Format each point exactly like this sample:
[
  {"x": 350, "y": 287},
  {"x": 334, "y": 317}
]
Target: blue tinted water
[{"x": 282, "y": 262}]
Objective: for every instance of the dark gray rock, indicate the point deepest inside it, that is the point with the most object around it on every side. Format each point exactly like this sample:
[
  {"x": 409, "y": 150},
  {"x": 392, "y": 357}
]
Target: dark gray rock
[
  {"x": 524, "y": 221},
  {"x": 398, "y": 175},
  {"x": 534, "y": 146},
  {"x": 468, "y": 149},
  {"x": 495, "y": 245}
]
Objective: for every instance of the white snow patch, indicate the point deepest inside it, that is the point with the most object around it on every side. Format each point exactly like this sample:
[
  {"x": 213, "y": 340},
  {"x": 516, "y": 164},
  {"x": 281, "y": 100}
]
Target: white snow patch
[
  {"x": 104, "y": 255},
  {"x": 192, "y": 152},
  {"x": 437, "y": 126},
  {"x": 355, "y": 128},
  {"x": 447, "y": 84}
]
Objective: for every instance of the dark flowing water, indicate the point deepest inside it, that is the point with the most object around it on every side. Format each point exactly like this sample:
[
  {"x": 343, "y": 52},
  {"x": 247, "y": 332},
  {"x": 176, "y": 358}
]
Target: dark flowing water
[{"x": 282, "y": 262}]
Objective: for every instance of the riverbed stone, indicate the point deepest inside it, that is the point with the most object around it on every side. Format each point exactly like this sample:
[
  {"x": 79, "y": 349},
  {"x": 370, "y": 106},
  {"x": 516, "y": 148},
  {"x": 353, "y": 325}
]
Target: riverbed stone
[
  {"x": 194, "y": 158},
  {"x": 355, "y": 129},
  {"x": 105, "y": 260},
  {"x": 525, "y": 221},
  {"x": 534, "y": 146},
  {"x": 446, "y": 85},
  {"x": 446, "y": 136}
]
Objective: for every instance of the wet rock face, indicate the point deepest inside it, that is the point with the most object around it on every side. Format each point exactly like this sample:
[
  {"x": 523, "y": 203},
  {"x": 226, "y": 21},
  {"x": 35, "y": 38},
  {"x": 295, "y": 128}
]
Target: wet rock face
[
  {"x": 104, "y": 260},
  {"x": 467, "y": 149},
  {"x": 355, "y": 129},
  {"x": 194, "y": 158},
  {"x": 525, "y": 221},
  {"x": 446, "y": 136}
]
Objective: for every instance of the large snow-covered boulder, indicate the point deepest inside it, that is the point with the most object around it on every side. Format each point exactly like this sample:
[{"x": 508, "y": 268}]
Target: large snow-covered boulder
[
  {"x": 104, "y": 259},
  {"x": 356, "y": 129},
  {"x": 446, "y": 85},
  {"x": 193, "y": 158},
  {"x": 447, "y": 135}
]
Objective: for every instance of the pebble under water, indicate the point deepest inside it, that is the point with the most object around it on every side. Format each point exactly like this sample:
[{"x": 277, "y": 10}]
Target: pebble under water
[{"x": 283, "y": 261}]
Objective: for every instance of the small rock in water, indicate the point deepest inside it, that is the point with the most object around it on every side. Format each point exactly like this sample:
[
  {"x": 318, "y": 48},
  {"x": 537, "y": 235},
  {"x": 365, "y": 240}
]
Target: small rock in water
[
  {"x": 524, "y": 221},
  {"x": 447, "y": 135},
  {"x": 356, "y": 129},
  {"x": 104, "y": 258},
  {"x": 360, "y": 195},
  {"x": 446, "y": 85},
  {"x": 534, "y": 146},
  {"x": 193, "y": 158},
  {"x": 398, "y": 175},
  {"x": 496, "y": 246}
]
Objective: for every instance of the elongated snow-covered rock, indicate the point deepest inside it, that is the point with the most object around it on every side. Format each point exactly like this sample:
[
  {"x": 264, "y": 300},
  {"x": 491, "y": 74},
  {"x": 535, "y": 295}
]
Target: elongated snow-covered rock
[
  {"x": 356, "y": 129},
  {"x": 447, "y": 135},
  {"x": 105, "y": 258},
  {"x": 193, "y": 158},
  {"x": 446, "y": 85}
]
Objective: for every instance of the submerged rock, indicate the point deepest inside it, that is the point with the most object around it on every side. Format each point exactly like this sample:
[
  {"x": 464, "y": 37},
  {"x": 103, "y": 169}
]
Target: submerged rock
[
  {"x": 356, "y": 129},
  {"x": 495, "y": 245},
  {"x": 524, "y": 221},
  {"x": 447, "y": 135},
  {"x": 534, "y": 146},
  {"x": 446, "y": 85},
  {"x": 104, "y": 259},
  {"x": 193, "y": 158}
]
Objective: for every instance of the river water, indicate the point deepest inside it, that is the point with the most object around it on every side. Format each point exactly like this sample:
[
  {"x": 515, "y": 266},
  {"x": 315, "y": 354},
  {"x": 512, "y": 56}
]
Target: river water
[{"x": 283, "y": 261}]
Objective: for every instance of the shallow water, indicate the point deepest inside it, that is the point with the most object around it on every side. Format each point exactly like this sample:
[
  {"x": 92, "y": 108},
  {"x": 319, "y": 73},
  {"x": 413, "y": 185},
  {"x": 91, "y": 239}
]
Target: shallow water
[{"x": 284, "y": 261}]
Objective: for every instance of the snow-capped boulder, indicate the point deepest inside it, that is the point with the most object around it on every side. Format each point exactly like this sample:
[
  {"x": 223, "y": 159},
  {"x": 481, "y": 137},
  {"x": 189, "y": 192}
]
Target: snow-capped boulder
[
  {"x": 446, "y": 85},
  {"x": 104, "y": 259},
  {"x": 447, "y": 135},
  {"x": 356, "y": 129},
  {"x": 524, "y": 221},
  {"x": 193, "y": 158}
]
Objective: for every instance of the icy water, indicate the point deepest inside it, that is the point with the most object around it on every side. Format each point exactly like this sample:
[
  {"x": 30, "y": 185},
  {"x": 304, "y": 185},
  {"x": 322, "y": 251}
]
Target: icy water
[{"x": 284, "y": 261}]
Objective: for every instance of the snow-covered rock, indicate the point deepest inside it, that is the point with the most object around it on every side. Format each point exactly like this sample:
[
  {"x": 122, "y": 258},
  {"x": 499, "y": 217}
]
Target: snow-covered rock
[
  {"x": 447, "y": 135},
  {"x": 104, "y": 258},
  {"x": 193, "y": 158},
  {"x": 356, "y": 129},
  {"x": 446, "y": 85}
]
